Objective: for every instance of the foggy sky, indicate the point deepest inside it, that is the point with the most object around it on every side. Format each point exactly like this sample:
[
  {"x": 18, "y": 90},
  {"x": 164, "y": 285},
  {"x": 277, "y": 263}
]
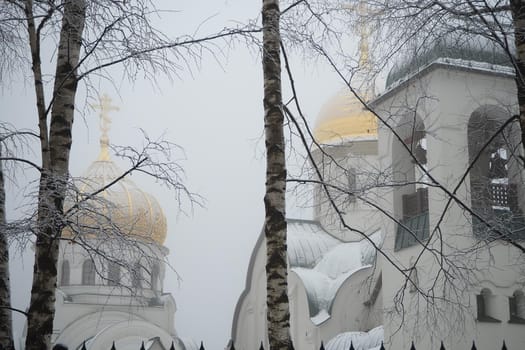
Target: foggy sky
[{"x": 215, "y": 113}]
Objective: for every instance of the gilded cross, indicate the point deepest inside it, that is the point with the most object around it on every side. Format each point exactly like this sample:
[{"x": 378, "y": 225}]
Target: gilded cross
[
  {"x": 105, "y": 107},
  {"x": 363, "y": 13}
]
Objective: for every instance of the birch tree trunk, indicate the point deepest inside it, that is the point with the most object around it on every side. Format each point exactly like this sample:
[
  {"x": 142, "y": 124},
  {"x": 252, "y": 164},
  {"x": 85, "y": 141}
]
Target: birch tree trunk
[
  {"x": 6, "y": 330},
  {"x": 53, "y": 179},
  {"x": 518, "y": 17},
  {"x": 278, "y": 314}
]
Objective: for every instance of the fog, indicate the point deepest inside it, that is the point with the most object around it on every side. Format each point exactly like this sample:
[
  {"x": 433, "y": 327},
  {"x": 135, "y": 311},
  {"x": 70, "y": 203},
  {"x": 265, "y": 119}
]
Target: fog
[{"x": 215, "y": 113}]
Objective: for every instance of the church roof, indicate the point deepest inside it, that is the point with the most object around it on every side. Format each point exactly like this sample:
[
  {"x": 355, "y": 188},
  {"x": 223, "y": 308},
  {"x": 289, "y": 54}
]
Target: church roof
[
  {"x": 325, "y": 263},
  {"x": 321, "y": 261},
  {"x": 451, "y": 47},
  {"x": 307, "y": 243},
  {"x": 123, "y": 208},
  {"x": 370, "y": 340},
  {"x": 343, "y": 118}
]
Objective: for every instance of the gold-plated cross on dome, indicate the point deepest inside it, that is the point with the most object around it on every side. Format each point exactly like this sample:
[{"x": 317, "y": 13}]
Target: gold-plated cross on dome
[
  {"x": 364, "y": 76},
  {"x": 105, "y": 107},
  {"x": 362, "y": 11}
]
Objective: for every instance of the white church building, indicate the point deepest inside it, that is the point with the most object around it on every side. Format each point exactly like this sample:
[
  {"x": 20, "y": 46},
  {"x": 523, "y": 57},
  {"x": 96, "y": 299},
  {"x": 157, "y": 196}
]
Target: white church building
[
  {"x": 112, "y": 265},
  {"x": 435, "y": 181}
]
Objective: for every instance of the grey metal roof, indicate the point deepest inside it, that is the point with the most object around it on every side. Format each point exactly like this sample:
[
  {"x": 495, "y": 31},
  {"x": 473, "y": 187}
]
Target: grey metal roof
[{"x": 452, "y": 46}]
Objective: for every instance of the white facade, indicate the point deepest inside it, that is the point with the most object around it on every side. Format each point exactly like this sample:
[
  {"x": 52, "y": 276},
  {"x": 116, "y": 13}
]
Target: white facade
[
  {"x": 468, "y": 283},
  {"x": 103, "y": 311}
]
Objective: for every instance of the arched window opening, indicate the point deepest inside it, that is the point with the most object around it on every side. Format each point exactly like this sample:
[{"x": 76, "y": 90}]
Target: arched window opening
[
  {"x": 409, "y": 156},
  {"x": 486, "y": 306},
  {"x": 88, "y": 272},
  {"x": 495, "y": 174},
  {"x": 517, "y": 308},
  {"x": 154, "y": 277},
  {"x": 136, "y": 276},
  {"x": 113, "y": 274},
  {"x": 64, "y": 277}
]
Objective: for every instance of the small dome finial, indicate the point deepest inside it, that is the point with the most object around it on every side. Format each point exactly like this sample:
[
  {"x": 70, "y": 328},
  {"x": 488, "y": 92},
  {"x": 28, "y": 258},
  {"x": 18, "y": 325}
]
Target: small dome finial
[
  {"x": 364, "y": 59},
  {"x": 363, "y": 76},
  {"x": 105, "y": 107}
]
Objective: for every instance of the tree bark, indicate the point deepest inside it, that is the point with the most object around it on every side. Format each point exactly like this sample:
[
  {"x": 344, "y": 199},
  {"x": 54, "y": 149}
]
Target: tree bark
[
  {"x": 36, "y": 67},
  {"x": 518, "y": 18},
  {"x": 53, "y": 180},
  {"x": 6, "y": 330},
  {"x": 278, "y": 314}
]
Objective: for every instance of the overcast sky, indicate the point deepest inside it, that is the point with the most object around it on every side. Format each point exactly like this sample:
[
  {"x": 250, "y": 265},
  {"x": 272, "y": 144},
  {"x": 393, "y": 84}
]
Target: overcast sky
[{"x": 215, "y": 113}]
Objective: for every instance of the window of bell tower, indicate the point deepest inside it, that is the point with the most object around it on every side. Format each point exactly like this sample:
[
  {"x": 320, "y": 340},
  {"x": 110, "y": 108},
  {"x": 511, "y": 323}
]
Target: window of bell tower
[
  {"x": 409, "y": 161},
  {"x": 495, "y": 174}
]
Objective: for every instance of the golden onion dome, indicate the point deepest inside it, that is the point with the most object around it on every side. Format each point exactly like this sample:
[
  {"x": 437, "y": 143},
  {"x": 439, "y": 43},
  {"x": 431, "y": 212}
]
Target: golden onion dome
[
  {"x": 344, "y": 118},
  {"x": 121, "y": 209}
]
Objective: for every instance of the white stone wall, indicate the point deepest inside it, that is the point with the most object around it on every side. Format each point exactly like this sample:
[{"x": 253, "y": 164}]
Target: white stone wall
[
  {"x": 446, "y": 98},
  {"x": 112, "y": 313}
]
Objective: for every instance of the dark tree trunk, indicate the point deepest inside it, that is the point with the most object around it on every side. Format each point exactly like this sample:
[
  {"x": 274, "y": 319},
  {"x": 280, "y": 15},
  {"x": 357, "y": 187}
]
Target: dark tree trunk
[
  {"x": 53, "y": 180},
  {"x": 6, "y": 330}
]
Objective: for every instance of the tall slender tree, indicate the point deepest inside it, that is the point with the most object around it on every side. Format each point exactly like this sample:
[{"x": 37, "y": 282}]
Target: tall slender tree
[
  {"x": 278, "y": 313},
  {"x": 56, "y": 146},
  {"x": 13, "y": 142},
  {"x": 6, "y": 328}
]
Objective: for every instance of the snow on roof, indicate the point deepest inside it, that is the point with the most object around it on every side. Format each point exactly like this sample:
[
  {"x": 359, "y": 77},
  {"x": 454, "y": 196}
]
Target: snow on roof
[
  {"x": 321, "y": 290},
  {"x": 307, "y": 243},
  {"x": 340, "y": 260},
  {"x": 323, "y": 263},
  {"x": 450, "y": 63},
  {"x": 370, "y": 340},
  {"x": 453, "y": 46}
]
